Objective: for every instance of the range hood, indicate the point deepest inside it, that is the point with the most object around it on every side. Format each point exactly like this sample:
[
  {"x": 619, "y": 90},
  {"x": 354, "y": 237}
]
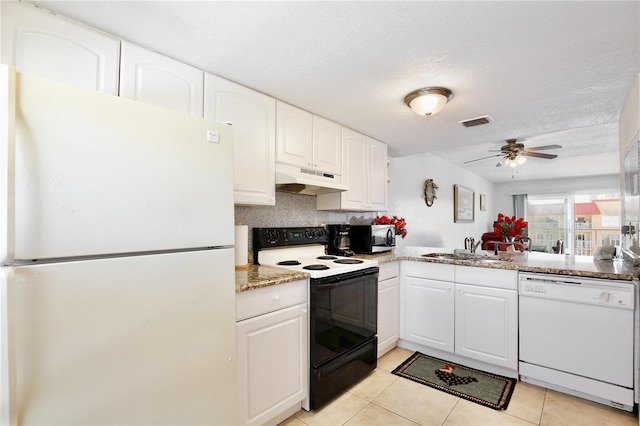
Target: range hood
[{"x": 308, "y": 182}]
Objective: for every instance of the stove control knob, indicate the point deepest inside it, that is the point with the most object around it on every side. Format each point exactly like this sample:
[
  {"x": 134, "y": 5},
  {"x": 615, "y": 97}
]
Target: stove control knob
[
  {"x": 307, "y": 233},
  {"x": 271, "y": 235}
]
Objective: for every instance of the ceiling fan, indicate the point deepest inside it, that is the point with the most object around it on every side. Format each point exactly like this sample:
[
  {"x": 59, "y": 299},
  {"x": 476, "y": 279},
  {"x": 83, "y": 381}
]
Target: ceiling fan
[{"x": 514, "y": 153}]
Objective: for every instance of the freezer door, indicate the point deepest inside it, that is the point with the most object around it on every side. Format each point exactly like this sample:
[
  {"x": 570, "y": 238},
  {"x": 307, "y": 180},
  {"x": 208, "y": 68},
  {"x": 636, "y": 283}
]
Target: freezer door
[
  {"x": 136, "y": 340},
  {"x": 98, "y": 174}
]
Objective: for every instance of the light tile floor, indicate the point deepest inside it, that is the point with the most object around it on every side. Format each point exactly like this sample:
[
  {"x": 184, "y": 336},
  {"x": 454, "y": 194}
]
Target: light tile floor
[{"x": 386, "y": 399}]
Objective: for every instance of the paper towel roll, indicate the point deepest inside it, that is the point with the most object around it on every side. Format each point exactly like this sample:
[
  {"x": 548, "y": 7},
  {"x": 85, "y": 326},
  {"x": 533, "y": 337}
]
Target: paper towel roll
[{"x": 242, "y": 245}]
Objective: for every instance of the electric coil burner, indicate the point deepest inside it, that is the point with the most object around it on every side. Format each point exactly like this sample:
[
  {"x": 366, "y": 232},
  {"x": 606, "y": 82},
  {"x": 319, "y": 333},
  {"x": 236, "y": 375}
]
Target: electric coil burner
[
  {"x": 288, "y": 263},
  {"x": 343, "y": 306},
  {"x": 349, "y": 261},
  {"x": 316, "y": 267}
]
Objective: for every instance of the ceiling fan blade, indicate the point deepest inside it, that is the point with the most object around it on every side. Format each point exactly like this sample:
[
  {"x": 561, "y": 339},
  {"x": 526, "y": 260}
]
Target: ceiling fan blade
[
  {"x": 539, "y": 155},
  {"x": 499, "y": 164},
  {"x": 483, "y": 158},
  {"x": 542, "y": 148}
]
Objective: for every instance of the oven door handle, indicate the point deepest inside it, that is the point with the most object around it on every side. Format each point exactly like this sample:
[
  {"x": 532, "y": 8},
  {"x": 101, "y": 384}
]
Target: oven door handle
[
  {"x": 342, "y": 279},
  {"x": 329, "y": 286}
]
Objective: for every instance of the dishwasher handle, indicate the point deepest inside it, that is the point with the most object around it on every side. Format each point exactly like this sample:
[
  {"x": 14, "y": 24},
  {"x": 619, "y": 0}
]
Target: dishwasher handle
[{"x": 550, "y": 281}]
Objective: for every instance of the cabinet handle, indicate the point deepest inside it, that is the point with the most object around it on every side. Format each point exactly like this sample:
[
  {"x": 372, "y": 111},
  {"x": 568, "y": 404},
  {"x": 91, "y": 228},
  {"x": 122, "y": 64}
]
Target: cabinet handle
[
  {"x": 276, "y": 297},
  {"x": 304, "y": 311}
]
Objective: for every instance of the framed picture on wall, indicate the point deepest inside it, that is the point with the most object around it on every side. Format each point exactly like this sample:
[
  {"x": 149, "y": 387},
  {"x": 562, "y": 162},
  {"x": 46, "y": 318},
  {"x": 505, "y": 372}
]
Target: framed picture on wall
[
  {"x": 483, "y": 202},
  {"x": 463, "y": 204}
]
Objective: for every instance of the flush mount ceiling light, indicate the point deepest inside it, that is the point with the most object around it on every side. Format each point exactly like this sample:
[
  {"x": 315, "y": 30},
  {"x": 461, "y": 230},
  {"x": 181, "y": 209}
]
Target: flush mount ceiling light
[{"x": 428, "y": 101}]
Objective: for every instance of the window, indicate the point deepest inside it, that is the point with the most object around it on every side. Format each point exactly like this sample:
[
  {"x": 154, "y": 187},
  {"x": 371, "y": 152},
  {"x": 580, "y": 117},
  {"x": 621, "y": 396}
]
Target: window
[{"x": 582, "y": 222}]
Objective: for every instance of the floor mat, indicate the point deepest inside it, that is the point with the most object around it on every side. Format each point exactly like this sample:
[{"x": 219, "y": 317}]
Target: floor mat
[{"x": 474, "y": 385}]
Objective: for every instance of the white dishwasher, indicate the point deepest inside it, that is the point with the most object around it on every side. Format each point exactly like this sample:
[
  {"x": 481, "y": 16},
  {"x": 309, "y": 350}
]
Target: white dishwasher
[{"x": 577, "y": 336}]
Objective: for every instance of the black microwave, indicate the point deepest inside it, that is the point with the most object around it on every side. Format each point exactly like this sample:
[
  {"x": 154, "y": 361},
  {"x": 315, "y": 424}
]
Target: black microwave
[{"x": 370, "y": 239}]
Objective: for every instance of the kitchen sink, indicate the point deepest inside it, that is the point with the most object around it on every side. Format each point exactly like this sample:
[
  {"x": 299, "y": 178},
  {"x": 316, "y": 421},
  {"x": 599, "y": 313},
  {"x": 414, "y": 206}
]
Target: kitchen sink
[
  {"x": 468, "y": 257},
  {"x": 450, "y": 256}
]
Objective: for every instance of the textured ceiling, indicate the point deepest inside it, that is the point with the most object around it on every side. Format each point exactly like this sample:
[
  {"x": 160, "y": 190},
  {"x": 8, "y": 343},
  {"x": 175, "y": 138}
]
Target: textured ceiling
[{"x": 546, "y": 72}]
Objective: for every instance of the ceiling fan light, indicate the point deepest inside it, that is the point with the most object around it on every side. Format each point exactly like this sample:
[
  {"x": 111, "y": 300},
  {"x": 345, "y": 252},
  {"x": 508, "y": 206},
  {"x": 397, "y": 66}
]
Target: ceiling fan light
[
  {"x": 428, "y": 101},
  {"x": 520, "y": 159},
  {"x": 505, "y": 161},
  {"x": 513, "y": 163}
]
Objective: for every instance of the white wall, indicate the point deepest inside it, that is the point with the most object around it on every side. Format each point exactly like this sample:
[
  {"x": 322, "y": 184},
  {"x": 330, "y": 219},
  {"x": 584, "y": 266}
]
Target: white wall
[{"x": 434, "y": 226}]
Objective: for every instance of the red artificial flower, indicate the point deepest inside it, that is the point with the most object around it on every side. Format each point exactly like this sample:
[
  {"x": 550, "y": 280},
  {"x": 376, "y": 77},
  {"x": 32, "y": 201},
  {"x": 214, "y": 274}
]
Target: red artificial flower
[{"x": 507, "y": 226}]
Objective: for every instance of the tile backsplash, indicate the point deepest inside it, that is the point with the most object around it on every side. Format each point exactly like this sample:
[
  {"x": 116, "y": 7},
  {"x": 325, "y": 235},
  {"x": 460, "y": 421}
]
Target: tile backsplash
[{"x": 291, "y": 210}]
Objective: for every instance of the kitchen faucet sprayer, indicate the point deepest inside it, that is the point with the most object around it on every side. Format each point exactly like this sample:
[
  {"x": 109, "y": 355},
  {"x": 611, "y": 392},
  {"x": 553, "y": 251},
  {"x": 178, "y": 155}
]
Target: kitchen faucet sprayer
[{"x": 470, "y": 244}]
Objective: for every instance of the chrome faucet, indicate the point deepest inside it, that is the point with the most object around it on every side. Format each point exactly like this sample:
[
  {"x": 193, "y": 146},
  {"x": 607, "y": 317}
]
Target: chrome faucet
[{"x": 470, "y": 244}]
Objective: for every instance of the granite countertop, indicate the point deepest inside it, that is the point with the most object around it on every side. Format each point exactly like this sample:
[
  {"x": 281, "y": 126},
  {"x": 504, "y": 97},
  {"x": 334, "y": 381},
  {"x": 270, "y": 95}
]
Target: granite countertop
[
  {"x": 582, "y": 266},
  {"x": 257, "y": 276}
]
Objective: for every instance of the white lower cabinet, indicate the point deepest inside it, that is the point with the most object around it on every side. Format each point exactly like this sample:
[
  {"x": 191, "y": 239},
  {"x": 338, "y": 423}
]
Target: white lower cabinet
[
  {"x": 272, "y": 347},
  {"x": 467, "y": 311},
  {"x": 429, "y": 313},
  {"x": 487, "y": 324},
  {"x": 388, "y": 307}
]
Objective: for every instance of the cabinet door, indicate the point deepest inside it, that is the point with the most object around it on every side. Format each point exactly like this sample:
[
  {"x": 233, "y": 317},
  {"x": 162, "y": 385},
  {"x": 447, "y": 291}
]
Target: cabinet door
[
  {"x": 354, "y": 148},
  {"x": 272, "y": 363},
  {"x": 429, "y": 313},
  {"x": 487, "y": 324},
  {"x": 253, "y": 116},
  {"x": 42, "y": 44},
  {"x": 388, "y": 314},
  {"x": 294, "y": 130},
  {"x": 150, "y": 77},
  {"x": 327, "y": 146},
  {"x": 377, "y": 172}
]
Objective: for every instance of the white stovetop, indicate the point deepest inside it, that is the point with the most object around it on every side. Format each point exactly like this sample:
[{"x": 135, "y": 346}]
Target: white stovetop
[{"x": 307, "y": 255}]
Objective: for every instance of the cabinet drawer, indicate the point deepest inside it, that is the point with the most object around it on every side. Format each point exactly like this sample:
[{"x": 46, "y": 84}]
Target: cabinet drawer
[
  {"x": 487, "y": 277},
  {"x": 263, "y": 300},
  {"x": 433, "y": 271},
  {"x": 388, "y": 270}
]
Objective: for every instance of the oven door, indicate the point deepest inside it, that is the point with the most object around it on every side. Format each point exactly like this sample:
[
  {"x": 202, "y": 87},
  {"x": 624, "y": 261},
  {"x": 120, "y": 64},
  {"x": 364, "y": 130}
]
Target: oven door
[{"x": 343, "y": 314}]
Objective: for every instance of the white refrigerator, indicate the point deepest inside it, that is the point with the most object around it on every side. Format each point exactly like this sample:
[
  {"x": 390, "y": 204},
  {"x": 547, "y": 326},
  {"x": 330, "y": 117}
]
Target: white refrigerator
[{"x": 117, "y": 300}]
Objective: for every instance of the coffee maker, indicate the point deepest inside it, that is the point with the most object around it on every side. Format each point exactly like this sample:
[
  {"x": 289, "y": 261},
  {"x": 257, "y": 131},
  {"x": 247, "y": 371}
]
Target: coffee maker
[{"x": 339, "y": 241}]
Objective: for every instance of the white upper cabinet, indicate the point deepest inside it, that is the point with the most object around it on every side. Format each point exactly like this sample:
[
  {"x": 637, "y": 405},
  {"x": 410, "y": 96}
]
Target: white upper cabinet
[
  {"x": 364, "y": 171},
  {"x": 40, "y": 43},
  {"x": 294, "y": 131},
  {"x": 253, "y": 116},
  {"x": 308, "y": 141},
  {"x": 156, "y": 79},
  {"x": 377, "y": 175},
  {"x": 355, "y": 168},
  {"x": 327, "y": 146}
]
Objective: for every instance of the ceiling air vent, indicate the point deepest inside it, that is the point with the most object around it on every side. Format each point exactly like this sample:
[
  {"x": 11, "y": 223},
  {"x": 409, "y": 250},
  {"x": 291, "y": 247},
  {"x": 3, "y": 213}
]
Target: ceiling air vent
[{"x": 485, "y": 119}]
